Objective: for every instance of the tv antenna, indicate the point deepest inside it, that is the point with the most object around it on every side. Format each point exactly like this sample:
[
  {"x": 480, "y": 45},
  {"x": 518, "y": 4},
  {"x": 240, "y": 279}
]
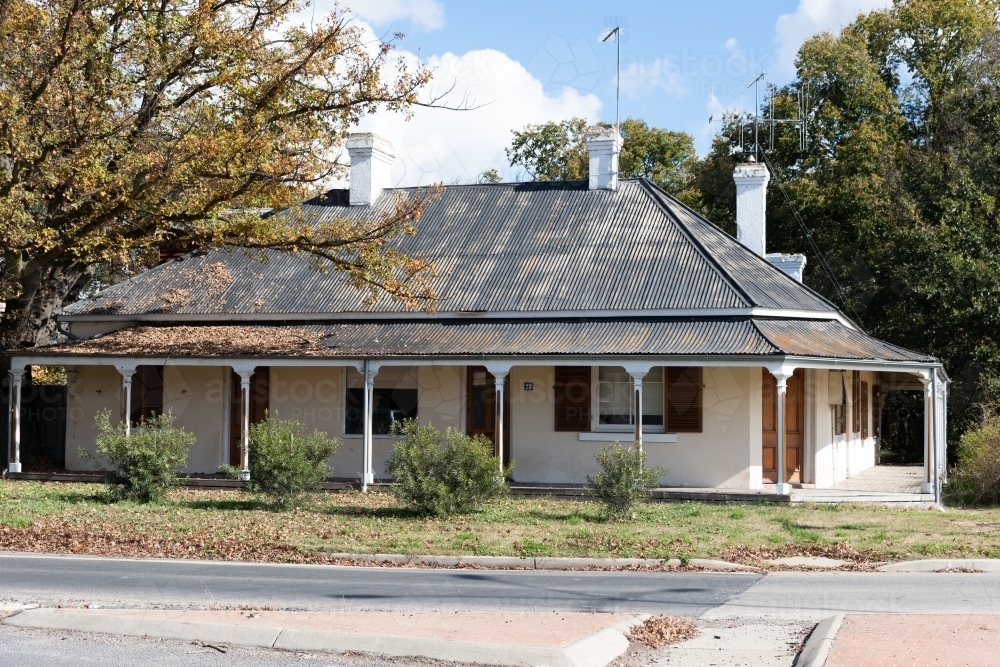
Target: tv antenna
[{"x": 801, "y": 122}]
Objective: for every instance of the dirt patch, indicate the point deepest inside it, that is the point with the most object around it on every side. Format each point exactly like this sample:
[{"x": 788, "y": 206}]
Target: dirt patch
[
  {"x": 864, "y": 561},
  {"x": 658, "y": 631}
]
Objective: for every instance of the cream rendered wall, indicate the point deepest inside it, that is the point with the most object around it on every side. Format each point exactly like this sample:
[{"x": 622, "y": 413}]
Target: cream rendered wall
[
  {"x": 838, "y": 457},
  {"x": 96, "y": 388},
  {"x": 196, "y": 395},
  {"x": 315, "y": 397},
  {"x": 726, "y": 454}
]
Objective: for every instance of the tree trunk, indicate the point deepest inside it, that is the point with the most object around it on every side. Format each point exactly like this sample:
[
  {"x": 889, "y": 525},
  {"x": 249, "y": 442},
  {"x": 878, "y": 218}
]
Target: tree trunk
[{"x": 29, "y": 320}]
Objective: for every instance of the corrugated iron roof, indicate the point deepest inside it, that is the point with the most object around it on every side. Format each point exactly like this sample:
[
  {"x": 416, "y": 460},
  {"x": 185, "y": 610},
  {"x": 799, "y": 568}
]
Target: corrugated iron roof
[
  {"x": 485, "y": 338},
  {"x": 515, "y": 247}
]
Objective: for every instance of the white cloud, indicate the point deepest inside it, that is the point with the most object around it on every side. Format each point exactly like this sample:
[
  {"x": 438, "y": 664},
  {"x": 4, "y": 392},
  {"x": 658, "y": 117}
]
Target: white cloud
[
  {"x": 812, "y": 17},
  {"x": 441, "y": 145},
  {"x": 428, "y": 14},
  {"x": 639, "y": 77}
]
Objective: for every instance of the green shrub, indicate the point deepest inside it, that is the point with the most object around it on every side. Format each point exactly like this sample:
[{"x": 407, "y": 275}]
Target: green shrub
[
  {"x": 285, "y": 461},
  {"x": 976, "y": 479},
  {"x": 624, "y": 479},
  {"x": 455, "y": 479},
  {"x": 145, "y": 461}
]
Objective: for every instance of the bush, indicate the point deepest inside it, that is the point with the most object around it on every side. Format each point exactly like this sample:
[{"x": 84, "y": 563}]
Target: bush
[
  {"x": 976, "y": 479},
  {"x": 145, "y": 461},
  {"x": 455, "y": 479},
  {"x": 624, "y": 479},
  {"x": 285, "y": 462}
]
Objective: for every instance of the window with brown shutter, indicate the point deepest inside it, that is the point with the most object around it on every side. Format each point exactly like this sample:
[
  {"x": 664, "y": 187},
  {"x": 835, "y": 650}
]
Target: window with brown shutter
[
  {"x": 876, "y": 412},
  {"x": 864, "y": 410},
  {"x": 683, "y": 399},
  {"x": 573, "y": 398},
  {"x": 855, "y": 402}
]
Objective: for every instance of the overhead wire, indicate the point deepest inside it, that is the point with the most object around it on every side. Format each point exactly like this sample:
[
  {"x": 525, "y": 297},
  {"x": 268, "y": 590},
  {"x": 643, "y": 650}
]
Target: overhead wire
[{"x": 812, "y": 242}]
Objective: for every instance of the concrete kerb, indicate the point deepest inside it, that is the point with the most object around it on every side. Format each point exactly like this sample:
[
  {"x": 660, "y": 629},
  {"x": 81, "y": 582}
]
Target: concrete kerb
[
  {"x": 944, "y": 565},
  {"x": 819, "y": 643},
  {"x": 594, "y": 650}
]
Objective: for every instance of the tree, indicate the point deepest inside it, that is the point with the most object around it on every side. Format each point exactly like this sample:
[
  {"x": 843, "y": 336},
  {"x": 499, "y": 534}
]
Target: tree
[
  {"x": 553, "y": 151},
  {"x": 129, "y": 124},
  {"x": 557, "y": 151},
  {"x": 898, "y": 186}
]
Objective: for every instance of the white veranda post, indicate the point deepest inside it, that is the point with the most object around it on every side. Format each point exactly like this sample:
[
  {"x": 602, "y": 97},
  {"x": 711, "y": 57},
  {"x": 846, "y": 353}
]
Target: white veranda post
[
  {"x": 498, "y": 380},
  {"x": 126, "y": 403},
  {"x": 637, "y": 405},
  {"x": 367, "y": 473},
  {"x": 245, "y": 376},
  {"x": 781, "y": 380},
  {"x": 928, "y": 483},
  {"x": 14, "y": 442}
]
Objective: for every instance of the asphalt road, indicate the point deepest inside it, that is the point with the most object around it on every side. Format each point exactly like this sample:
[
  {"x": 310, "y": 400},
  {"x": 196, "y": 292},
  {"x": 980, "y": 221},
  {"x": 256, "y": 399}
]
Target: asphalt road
[
  {"x": 114, "y": 582},
  {"x": 802, "y": 596}
]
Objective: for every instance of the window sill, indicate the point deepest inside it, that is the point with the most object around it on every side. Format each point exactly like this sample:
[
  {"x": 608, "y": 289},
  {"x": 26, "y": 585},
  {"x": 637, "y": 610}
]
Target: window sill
[
  {"x": 611, "y": 436},
  {"x": 359, "y": 436}
]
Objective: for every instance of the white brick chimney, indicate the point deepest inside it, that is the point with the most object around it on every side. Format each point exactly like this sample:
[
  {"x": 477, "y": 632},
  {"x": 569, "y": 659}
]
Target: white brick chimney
[
  {"x": 751, "y": 202},
  {"x": 603, "y": 147},
  {"x": 751, "y": 180},
  {"x": 371, "y": 166}
]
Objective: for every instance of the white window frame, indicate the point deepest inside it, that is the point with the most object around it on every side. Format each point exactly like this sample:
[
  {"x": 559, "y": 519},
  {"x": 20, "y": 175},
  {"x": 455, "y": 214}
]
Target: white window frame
[{"x": 595, "y": 407}]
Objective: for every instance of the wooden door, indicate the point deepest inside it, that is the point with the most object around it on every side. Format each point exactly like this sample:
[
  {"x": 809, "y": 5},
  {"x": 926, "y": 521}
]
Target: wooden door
[
  {"x": 794, "y": 427},
  {"x": 480, "y": 414},
  {"x": 260, "y": 388}
]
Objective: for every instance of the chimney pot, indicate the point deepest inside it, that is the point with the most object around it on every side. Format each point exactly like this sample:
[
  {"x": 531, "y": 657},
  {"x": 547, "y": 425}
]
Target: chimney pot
[
  {"x": 603, "y": 146},
  {"x": 371, "y": 166}
]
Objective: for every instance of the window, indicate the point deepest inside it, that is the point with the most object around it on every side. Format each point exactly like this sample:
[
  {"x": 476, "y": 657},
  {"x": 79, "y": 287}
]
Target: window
[
  {"x": 684, "y": 397},
  {"x": 394, "y": 399},
  {"x": 614, "y": 397},
  {"x": 572, "y": 398},
  {"x": 839, "y": 419},
  {"x": 147, "y": 393}
]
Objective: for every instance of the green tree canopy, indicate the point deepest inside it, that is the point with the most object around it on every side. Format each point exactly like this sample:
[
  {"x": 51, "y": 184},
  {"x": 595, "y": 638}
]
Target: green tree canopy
[
  {"x": 898, "y": 184},
  {"x": 126, "y": 124},
  {"x": 557, "y": 151}
]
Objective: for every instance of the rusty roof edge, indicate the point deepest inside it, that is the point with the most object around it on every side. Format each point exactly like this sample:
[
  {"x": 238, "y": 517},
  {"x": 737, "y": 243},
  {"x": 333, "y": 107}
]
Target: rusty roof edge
[{"x": 901, "y": 350}]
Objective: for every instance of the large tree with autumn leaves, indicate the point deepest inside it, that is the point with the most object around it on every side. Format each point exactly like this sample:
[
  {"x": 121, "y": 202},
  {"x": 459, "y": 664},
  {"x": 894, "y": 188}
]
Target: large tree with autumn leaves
[{"x": 128, "y": 124}]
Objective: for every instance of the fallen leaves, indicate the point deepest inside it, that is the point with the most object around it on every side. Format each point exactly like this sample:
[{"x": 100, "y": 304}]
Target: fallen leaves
[{"x": 658, "y": 631}]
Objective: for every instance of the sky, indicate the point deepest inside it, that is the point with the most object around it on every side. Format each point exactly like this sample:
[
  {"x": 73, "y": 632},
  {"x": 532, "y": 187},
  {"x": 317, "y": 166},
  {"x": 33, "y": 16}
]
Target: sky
[{"x": 518, "y": 62}]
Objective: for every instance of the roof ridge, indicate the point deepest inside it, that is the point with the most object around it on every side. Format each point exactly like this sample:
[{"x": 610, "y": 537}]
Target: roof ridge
[
  {"x": 655, "y": 191},
  {"x": 713, "y": 228}
]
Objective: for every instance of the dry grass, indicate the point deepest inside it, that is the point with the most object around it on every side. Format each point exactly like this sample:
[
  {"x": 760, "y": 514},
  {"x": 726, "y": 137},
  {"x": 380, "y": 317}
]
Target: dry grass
[
  {"x": 658, "y": 631},
  {"x": 73, "y": 518}
]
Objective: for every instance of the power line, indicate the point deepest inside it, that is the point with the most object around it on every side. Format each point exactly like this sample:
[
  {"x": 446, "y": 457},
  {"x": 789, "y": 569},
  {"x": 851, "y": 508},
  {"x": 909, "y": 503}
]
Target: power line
[{"x": 812, "y": 242}]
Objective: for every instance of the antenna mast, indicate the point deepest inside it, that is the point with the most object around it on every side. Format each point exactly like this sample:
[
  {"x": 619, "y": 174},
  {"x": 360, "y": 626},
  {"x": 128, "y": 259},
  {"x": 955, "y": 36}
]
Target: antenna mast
[{"x": 616, "y": 32}]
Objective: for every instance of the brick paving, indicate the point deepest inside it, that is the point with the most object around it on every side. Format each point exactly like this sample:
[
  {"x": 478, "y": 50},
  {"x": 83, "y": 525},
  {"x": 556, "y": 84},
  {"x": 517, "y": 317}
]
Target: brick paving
[
  {"x": 885, "y": 479},
  {"x": 917, "y": 640},
  {"x": 542, "y": 629}
]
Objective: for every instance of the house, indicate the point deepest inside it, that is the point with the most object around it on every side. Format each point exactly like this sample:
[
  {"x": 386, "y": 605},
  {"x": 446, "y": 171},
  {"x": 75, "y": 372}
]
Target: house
[{"x": 571, "y": 315}]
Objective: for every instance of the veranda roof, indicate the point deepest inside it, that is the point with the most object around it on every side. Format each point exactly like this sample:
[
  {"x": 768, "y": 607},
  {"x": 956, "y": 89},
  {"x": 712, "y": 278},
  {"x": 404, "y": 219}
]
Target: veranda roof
[{"x": 752, "y": 337}]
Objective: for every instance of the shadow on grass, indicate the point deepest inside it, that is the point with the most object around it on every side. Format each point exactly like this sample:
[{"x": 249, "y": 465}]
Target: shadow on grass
[
  {"x": 355, "y": 512},
  {"x": 228, "y": 504}
]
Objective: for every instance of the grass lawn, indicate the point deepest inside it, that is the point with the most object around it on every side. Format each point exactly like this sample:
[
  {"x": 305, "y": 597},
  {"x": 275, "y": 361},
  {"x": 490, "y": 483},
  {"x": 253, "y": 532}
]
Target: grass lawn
[{"x": 66, "y": 518}]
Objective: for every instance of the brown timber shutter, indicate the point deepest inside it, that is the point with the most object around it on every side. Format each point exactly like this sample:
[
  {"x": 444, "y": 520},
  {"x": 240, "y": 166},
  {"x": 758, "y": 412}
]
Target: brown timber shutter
[
  {"x": 855, "y": 402},
  {"x": 572, "y": 395},
  {"x": 876, "y": 412},
  {"x": 864, "y": 410},
  {"x": 683, "y": 399}
]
